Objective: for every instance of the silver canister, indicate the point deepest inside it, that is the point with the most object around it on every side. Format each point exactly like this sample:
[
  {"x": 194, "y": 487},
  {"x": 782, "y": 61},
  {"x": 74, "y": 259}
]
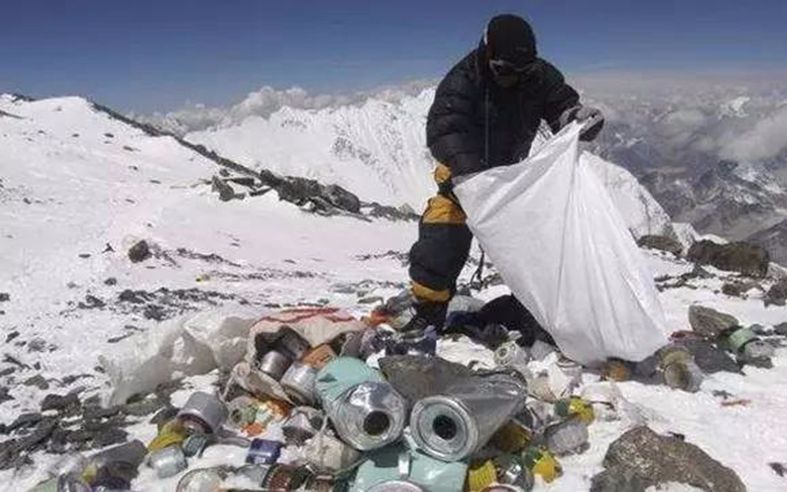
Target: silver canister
[
  {"x": 369, "y": 415},
  {"x": 168, "y": 461},
  {"x": 292, "y": 343},
  {"x": 206, "y": 409},
  {"x": 298, "y": 383},
  {"x": 461, "y": 420},
  {"x": 303, "y": 423},
  {"x": 395, "y": 486},
  {"x": 274, "y": 364}
]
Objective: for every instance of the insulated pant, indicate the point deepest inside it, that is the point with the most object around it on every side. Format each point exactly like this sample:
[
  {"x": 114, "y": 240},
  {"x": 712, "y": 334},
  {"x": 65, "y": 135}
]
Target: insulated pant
[{"x": 443, "y": 245}]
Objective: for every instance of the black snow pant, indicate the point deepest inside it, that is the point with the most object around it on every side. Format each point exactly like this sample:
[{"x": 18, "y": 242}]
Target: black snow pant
[{"x": 443, "y": 246}]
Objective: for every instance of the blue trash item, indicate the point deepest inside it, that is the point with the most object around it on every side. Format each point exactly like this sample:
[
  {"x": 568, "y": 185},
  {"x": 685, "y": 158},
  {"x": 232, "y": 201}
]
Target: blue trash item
[
  {"x": 366, "y": 411},
  {"x": 400, "y": 463},
  {"x": 263, "y": 452}
]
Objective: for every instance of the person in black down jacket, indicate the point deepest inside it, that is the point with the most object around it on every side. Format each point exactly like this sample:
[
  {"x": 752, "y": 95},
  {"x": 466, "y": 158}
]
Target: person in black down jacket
[{"x": 486, "y": 113}]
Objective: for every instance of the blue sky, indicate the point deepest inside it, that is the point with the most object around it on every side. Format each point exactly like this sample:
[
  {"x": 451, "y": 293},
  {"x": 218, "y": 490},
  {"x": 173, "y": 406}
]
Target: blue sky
[{"x": 146, "y": 55}]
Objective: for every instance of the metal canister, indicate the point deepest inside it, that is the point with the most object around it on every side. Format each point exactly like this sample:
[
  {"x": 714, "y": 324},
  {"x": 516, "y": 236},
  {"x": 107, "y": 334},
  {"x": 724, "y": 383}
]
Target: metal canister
[
  {"x": 168, "y": 461},
  {"x": 205, "y": 409},
  {"x": 319, "y": 356},
  {"x": 263, "y": 452},
  {"x": 510, "y": 354},
  {"x": 302, "y": 424},
  {"x": 298, "y": 382},
  {"x": 202, "y": 480},
  {"x": 453, "y": 425},
  {"x": 274, "y": 364},
  {"x": 292, "y": 344}
]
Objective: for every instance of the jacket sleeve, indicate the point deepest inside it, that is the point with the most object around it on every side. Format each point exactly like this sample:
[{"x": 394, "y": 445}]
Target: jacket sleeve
[
  {"x": 452, "y": 133},
  {"x": 558, "y": 96}
]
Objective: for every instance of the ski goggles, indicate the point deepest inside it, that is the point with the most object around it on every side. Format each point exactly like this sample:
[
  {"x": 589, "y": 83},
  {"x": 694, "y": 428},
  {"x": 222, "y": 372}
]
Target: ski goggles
[{"x": 503, "y": 68}]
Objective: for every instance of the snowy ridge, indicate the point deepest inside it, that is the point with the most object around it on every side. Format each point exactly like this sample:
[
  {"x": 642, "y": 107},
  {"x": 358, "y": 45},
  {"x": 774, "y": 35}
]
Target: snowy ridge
[{"x": 378, "y": 151}]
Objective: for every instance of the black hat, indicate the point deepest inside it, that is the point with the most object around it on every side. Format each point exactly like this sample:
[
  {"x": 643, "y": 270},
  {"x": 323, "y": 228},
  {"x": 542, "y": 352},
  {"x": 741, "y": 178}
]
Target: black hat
[{"x": 509, "y": 37}]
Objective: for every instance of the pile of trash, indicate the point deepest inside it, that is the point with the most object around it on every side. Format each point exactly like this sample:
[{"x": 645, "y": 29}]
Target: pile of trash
[{"x": 322, "y": 401}]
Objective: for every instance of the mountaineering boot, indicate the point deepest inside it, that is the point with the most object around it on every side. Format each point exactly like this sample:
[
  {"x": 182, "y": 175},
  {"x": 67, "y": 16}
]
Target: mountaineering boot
[{"x": 424, "y": 315}]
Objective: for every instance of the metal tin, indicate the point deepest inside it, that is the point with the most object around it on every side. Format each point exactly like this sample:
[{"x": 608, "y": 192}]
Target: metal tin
[
  {"x": 369, "y": 415},
  {"x": 303, "y": 423},
  {"x": 207, "y": 409},
  {"x": 455, "y": 424},
  {"x": 298, "y": 382},
  {"x": 202, "y": 480},
  {"x": 319, "y": 356},
  {"x": 292, "y": 343},
  {"x": 274, "y": 364},
  {"x": 263, "y": 452},
  {"x": 395, "y": 486},
  {"x": 168, "y": 461}
]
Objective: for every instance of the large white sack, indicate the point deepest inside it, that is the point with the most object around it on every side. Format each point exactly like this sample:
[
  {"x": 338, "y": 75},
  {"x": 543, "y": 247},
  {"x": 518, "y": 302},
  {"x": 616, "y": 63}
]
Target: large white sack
[
  {"x": 551, "y": 229},
  {"x": 186, "y": 346}
]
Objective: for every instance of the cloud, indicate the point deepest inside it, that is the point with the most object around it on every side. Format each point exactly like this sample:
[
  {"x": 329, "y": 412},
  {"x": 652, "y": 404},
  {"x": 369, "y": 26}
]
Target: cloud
[
  {"x": 767, "y": 139},
  {"x": 267, "y": 100}
]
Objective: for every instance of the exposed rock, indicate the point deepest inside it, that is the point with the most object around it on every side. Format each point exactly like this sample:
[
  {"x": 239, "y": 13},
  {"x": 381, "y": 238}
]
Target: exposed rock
[
  {"x": 742, "y": 257},
  {"x": 59, "y": 402},
  {"x": 739, "y": 289},
  {"x": 777, "y": 294},
  {"x": 780, "y": 329},
  {"x": 224, "y": 189},
  {"x": 38, "y": 381},
  {"x": 139, "y": 252},
  {"x": 5, "y": 297},
  {"x": 14, "y": 453},
  {"x": 709, "y": 322},
  {"x": 640, "y": 458},
  {"x": 91, "y": 302},
  {"x": 709, "y": 357},
  {"x": 111, "y": 281},
  {"x": 662, "y": 243},
  {"x": 25, "y": 420}
]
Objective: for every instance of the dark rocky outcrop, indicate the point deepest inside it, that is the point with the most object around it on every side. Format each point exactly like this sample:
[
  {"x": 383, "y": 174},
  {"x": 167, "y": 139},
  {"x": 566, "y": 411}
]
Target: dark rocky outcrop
[
  {"x": 140, "y": 251},
  {"x": 710, "y": 323},
  {"x": 662, "y": 243},
  {"x": 777, "y": 294},
  {"x": 640, "y": 458},
  {"x": 742, "y": 257}
]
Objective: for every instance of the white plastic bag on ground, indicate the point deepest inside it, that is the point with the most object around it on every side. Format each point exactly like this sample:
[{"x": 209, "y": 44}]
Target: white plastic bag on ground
[
  {"x": 190, "y": 345},
  {"x": 561, "y": 246}
]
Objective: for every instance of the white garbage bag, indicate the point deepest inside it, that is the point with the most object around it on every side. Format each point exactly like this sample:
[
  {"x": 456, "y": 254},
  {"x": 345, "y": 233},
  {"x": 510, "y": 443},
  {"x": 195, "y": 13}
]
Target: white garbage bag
[{"x": 563, "y": 249}]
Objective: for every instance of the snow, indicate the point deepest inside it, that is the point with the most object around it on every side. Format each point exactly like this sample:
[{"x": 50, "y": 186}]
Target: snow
[
  {"x": 87, "y": 191},
  {"x": 378, "y": 151}
]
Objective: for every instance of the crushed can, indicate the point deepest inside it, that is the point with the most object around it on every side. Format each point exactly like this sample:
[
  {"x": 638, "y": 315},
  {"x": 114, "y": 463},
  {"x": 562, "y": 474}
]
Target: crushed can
[
  {"x": 168, "y": 461},
  {"x": 542, "y": 463},
  {"x": 285, "y": 477},
  {"x": 319, "y": 356},
  {"x": 302, "y": 424},
  {"x": 575, "y": 406},
  {"x": 263, "y": 452}
]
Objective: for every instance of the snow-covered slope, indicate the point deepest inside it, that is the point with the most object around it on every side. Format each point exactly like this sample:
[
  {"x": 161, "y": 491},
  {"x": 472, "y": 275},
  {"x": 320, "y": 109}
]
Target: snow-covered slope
[
  {"x": 378, "y": 151},
  {"x": 78, "y": 187}
]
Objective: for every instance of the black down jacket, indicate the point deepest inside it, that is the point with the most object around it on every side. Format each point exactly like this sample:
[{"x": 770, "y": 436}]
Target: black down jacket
[{"x": 474, "y": 124}]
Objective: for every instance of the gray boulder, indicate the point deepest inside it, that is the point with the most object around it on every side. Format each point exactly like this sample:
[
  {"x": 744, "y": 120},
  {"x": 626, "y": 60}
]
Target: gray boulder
[
  {"x": 777, "y": 294},
  {"x": 140, "y": 251},
  {"x": 709, "y": 322},
  {"x": 640, "y": 458},
  {"x": 662, "y": 243},
  {"x": 742, "y": 257}
]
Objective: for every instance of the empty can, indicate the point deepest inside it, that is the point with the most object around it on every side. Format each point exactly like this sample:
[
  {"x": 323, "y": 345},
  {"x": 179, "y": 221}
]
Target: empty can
[
  {"x": 205, "y": 409},
  {"x": 168, "y": 461},
  {"x": 263, "y": 452},
  {"x": 292, "y": 344},
  {"x": 298, "y": 382},
  {"x": 274, "y": 364}
]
